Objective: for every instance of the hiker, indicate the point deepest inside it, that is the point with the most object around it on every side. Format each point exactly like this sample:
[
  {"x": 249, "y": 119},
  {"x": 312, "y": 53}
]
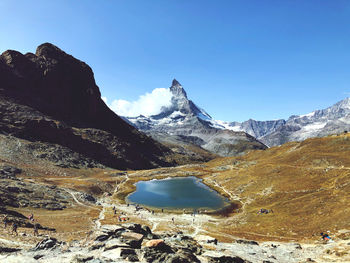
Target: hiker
[
  {"x": 264, "y": 211},
  {"x": 31, "y": 217},
  {"x": 36, "y": 228},
  {"x": 172, "y": 219},
  {"x": 325, "y": 237},
  {"x": 14, "y": 228},
  {"x": 6, "y": 221}
]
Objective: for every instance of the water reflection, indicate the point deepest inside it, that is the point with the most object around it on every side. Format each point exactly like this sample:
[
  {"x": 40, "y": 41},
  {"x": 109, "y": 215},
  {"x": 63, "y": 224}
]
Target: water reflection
[{"x": 181, "y": 192}]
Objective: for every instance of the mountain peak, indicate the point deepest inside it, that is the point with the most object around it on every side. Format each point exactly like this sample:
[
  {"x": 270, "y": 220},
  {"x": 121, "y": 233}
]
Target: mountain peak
[
  {"x": 175, "y": 83},
  {"x": 177, "y": 89},
  {"x": 49, "y": 50}
]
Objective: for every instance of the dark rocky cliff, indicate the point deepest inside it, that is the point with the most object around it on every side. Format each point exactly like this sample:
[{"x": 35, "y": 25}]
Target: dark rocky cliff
[{"x": 52, "y": 97}]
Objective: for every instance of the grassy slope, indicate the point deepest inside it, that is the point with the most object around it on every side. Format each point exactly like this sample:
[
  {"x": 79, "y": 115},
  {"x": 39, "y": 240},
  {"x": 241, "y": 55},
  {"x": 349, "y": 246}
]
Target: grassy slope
[{"x": 307, "y": 184}]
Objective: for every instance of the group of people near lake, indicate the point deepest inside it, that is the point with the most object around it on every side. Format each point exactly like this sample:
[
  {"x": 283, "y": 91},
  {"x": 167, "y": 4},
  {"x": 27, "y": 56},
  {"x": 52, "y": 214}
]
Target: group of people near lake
[
  {"x": 14, "y": 226},
  {"x": 121, "y": 217},
  {"x": 265, "y": 211}
]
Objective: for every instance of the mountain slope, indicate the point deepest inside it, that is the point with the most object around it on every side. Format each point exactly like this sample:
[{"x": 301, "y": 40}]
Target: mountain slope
[
  {"x": 186, "y": 119},
  {"x": 52, "y": 97}
]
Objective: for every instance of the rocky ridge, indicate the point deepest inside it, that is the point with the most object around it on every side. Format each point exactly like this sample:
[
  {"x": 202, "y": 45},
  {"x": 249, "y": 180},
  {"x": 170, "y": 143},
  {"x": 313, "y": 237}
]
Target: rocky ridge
[{"x": 51, "y": 97}]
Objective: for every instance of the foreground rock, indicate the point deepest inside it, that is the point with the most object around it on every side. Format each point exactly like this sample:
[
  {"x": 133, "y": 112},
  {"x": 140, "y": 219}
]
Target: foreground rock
[{"x": 112, "y": 244}]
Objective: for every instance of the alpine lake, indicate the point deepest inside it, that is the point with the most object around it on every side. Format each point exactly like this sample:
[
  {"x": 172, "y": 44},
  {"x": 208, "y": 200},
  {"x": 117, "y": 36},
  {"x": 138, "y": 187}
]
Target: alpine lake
[{"x": 177, "y": 193}]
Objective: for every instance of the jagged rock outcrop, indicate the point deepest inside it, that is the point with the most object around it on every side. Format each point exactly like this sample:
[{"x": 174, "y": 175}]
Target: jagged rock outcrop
[
  {"x": 52, "y": 97},
  {"x": 184, "y": 122}
]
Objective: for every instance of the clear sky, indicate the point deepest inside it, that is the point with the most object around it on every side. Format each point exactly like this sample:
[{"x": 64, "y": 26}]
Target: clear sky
[{"x": 237, "y": 59}]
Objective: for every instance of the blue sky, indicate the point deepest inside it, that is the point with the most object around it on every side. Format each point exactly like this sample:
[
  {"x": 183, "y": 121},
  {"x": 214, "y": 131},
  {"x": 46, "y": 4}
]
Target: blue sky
[{"x": 236, "y": 59}]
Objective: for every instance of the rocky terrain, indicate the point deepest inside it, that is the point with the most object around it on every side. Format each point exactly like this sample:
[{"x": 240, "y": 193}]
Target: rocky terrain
[
  {"x": 51, "y": 97},
  {"x": 186, "y": 124},
  {"x": 137, "y": 243}
]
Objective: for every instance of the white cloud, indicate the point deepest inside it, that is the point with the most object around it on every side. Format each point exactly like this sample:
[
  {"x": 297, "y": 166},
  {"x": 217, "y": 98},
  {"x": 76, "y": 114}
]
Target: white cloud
[
  {"x": 147, "y": 104},
  {"x": 104, "y": 99}
]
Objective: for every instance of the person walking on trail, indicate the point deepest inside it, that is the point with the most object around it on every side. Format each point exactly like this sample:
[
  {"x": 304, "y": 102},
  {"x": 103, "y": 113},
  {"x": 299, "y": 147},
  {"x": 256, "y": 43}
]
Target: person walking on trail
[
  {"x": 5, "y": 221},
  {"x": 31, "y": 217},
  {"x": 172, "y": 219},
  {"x": 14, "y": 228},
  {"x": 36, "y": 229}
]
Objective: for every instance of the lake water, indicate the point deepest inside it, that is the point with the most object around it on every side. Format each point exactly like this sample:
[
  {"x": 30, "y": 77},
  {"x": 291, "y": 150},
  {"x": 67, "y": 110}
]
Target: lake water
[{"x": 177, "y": 193}]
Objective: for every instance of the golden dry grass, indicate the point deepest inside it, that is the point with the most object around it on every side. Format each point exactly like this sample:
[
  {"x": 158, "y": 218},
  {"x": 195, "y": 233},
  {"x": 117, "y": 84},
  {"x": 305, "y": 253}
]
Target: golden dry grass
[{"x": 307, "y": 184}]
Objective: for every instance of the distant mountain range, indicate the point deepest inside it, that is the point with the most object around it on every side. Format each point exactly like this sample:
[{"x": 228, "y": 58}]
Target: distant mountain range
[
  {"x": 334, "y": 119},
  {"x": 189, "y": 123}
]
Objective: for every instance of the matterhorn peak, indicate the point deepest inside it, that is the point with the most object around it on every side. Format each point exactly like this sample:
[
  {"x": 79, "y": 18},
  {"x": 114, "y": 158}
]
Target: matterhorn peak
[
  {"x": 175, "y": 83},
  {"x": 177, "y": 89}
]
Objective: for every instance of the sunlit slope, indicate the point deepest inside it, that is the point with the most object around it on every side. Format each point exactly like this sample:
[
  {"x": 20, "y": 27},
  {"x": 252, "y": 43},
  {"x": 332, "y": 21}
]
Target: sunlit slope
[{"x": 307, "y": 184}]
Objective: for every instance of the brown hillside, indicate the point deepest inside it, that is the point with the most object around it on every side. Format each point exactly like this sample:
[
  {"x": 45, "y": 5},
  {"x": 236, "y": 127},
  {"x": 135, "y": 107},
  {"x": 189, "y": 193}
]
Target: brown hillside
[{"x": 307, "y": 184}]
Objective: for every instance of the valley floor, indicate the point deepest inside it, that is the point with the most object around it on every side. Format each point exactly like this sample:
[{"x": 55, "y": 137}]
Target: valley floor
[
  {"x": 305, "y": 184},
  {"x": 83, "y": 219}
]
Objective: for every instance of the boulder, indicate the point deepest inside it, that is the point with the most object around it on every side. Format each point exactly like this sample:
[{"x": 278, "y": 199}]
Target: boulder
[
  {"x": 46, "y": 243},
  {"x": 102, "y": 237},
  {"x": 118, "y": 253},
  {"x": 206, "y": 239},
  {"x": 155, "y": 243},
  {"x": 96, "y": 245},
  {"x": 111, "y": 229},
  {"x": 115, "y": 243},
  {"x": 132, "y": 236},
  {"x": 156, "y": 255},
  {"x": 132, "y": 239},
  {"x": 8, "y": 249}
]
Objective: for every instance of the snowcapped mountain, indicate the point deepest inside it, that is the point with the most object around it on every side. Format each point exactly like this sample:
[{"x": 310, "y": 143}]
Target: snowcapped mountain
[
  {"x": 184, "y": 119},
  {"x": 318, "y": 123},
  {"x": 334, "y": 119}
]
